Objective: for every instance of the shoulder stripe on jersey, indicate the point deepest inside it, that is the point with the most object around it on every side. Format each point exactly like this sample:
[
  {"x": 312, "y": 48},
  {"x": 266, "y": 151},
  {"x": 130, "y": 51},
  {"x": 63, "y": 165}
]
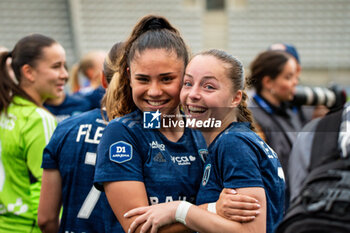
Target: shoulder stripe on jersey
[
  {"x": 131, "y": 124},
  {"x": 48, "y": 123}
]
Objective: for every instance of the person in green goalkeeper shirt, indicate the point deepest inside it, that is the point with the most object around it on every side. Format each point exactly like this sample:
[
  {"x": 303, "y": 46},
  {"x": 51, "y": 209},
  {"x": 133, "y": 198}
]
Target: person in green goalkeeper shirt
[{"x": 26, "y": 126}]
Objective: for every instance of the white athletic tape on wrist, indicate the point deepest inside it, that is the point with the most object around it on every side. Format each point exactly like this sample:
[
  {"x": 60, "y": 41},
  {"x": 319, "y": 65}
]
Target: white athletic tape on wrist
[
  {"x": 212, "y": 207},
  {"x": 181, "y": 212}
]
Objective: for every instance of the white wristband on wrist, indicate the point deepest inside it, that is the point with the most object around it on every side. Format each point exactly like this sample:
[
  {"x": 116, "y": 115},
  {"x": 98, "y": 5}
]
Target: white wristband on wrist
[
  {"x": 212, "y": 207},
  {"x": 181, "y": 212}
]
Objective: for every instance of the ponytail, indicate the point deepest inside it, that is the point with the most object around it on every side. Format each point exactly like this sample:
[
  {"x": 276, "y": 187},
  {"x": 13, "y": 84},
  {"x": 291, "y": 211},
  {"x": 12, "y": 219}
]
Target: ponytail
[
  {"x": 109, "y": 98},
  {"x": 110, "y": 71},
  {"x": 244, "y": 114},
  {"x": 8, "y": 88},
  {"x": 74, "y": 79}
]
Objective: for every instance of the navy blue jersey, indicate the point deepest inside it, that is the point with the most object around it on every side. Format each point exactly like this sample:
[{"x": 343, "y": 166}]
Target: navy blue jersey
[
  {"x": 72, "y": 105},
  {"x": 238, "y": 158},
  {"x": 170, "y": 170},
  {"x": 94, "y": 96},
  {"x": 72, "y": 150}
]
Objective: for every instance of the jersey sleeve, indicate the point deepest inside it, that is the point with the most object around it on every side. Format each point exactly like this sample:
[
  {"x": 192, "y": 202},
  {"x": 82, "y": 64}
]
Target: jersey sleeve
[
  {"x": 118, "y": 156},
  {"x": 238, "y": 162},
  {"x": 36, "y": 134},
  {"x": 52, "y": 150}
]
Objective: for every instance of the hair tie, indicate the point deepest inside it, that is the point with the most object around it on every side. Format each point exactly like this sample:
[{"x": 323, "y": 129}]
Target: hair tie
[
  {"x": 9, "y": 54},
  {"x": 155, "y": 24}
]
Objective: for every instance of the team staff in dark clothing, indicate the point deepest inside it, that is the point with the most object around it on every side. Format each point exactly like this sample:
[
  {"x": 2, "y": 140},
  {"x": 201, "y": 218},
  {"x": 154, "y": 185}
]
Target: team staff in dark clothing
[{"x": 273, "y": 75}]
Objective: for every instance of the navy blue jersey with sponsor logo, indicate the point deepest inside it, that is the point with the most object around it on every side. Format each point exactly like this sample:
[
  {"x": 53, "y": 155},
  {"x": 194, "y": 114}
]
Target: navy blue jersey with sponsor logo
[
  {"x": 72, "y": 150},
  {"x": 72, "y": 105},
  {"x": 239, "y": 158},
  {"x": 170, "y": 170}
]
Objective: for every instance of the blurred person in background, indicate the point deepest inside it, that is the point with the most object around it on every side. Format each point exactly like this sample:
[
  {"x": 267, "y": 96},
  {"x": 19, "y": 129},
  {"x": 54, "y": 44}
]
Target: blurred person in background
[
  {"x": 67, "y": 105},
  {"x": 68, "y": 163},
  {"x": 289, "y": 48},
  {"x": 26, "y": 126},
  {"x": 273, "y": 75},
  {"x": 306, "y": 113},
  {"x": 91, "y": 66}
]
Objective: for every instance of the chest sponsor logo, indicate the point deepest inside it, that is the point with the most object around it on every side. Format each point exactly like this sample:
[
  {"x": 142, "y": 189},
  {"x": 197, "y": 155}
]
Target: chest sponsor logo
[
  {"x": 206, "y": 174},
  {"x": 183, "y": 160},
  {"x": 156, "y": 145},
  {"x": 151, "y": 120},
  {"x": 120, "y": 152}
]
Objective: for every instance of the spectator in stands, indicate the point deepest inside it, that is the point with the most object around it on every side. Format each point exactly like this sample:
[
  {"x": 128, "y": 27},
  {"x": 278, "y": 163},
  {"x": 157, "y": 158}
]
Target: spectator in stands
[
  {"x": 68, "y": 163},
  {"x": 91, "y": 66},
  {"x": 38, "y": 63}
]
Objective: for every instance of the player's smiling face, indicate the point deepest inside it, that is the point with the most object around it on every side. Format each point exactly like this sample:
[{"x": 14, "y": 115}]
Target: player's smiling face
[
  {"x": 207, "y": 91},
  {"x": 155, "y": 79}
]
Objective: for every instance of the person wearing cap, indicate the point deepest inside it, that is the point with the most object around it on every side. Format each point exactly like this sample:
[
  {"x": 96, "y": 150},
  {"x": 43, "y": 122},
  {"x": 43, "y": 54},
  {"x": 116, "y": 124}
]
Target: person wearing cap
[
  {"x": 307, "y": 113},
  {"x": 289, "y": 48}
]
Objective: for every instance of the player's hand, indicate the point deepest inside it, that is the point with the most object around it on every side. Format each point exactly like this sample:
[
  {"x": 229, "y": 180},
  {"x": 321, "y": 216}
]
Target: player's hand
[
  {"x": 153, "y": 217},
  {"x": 237, "y": 207}
]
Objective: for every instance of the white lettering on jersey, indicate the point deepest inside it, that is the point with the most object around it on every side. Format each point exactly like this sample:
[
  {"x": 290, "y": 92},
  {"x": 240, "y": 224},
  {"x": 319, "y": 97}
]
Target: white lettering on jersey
[
  {"x": 183, "y": 160},
  {"x": 17, "y": 208},
  {"x": 86, "y": 130},
  {"x": 155, "y": 145},
  {"x": 168, "y": 199},
  {"x": 7, "y": 122},
  {"x": 271, "y": 154},
  {"x": 280, "y": 173},
  {"x": 155, "y": 200}
]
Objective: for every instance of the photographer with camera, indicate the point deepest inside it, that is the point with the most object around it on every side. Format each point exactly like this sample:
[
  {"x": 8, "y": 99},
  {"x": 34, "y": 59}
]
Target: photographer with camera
[
  {"x": 274, "y": 76},
  {"x": 279, "y": 105}
]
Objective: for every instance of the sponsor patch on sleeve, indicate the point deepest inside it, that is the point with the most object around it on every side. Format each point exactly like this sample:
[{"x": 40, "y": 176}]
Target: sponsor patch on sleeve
[{"x": 120, "y": 152}]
